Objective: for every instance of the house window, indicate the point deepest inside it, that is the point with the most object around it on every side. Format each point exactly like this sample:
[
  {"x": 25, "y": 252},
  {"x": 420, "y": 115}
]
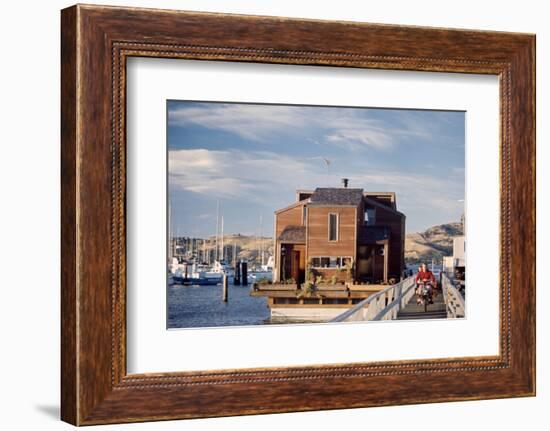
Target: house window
[
  {"x": 333, "y": 227},
  {"x": 330, "y": 262},
  {"x": 342, "y": 262},
  {"x": 320, "y": 262},
  {"x": 304, "y": 215},
  {"x": 370, "y": 216}
]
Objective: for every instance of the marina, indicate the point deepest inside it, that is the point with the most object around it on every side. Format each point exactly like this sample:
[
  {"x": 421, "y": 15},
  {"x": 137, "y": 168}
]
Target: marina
[
  {"x": 338, "y": 255},
  {"x": 203, "y": 306},
  {"x": 307, "y": 233}
]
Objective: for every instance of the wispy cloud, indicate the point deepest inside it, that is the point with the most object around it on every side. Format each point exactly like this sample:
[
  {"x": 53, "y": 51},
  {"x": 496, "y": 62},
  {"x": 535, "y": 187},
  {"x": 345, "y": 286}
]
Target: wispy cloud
[
  {"x": 417, "y": 191},
  {"x": 359, "y": 138},
  {"x": 253, "y": 157},
  {"x": 237, "y": 174},
  {"x": 252, "y": 122},
  {"x": 260, "y": 175},
  {"x": 343, "y": 128}
]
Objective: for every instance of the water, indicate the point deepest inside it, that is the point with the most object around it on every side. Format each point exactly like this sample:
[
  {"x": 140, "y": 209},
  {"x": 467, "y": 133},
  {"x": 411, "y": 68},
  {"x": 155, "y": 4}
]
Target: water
[{"x": 202, "y": 306}]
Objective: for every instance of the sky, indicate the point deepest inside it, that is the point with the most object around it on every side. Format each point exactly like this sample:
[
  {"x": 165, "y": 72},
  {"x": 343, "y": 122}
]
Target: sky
[{"x": 252, "y": 157}]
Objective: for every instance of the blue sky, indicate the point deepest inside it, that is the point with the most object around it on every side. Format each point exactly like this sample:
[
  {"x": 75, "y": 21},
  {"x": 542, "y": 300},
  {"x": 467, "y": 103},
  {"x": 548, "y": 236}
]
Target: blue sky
[{"x": 251, "y": 158}]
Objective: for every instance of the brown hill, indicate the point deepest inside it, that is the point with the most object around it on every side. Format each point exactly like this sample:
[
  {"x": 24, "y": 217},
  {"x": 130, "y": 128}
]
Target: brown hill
[
  {"x": 435, "y": 242},
  {"x": 248, "y": 247}
]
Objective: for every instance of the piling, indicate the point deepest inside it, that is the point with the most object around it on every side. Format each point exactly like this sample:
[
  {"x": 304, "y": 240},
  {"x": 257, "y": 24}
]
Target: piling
[
  {"x": 244, "y": 273},
  {"x": 225, "y": 287},
  {"x": 237, "y": 276}
]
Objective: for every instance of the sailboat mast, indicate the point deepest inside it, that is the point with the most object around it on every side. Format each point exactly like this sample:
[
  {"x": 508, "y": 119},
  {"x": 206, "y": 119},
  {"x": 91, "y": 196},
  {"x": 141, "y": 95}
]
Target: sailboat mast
[
  {"x": 175, "y": 242},
  {"x": 222, "y": 250},
  {"x": 169, "y": 233},
  {"x": 217, "y": 228},
  {"x": 261, "y": 241}
]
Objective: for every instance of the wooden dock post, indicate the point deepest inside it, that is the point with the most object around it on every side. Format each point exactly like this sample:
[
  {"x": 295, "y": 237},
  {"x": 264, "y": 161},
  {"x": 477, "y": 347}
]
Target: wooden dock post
[
  {"x": 237, "y": 276},
  {"x": 225, "y": 287},
  {"x": 244, "y": 273}
]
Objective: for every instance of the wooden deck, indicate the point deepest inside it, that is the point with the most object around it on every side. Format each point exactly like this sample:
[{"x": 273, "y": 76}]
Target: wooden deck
[{"x": 412, "y": 311}]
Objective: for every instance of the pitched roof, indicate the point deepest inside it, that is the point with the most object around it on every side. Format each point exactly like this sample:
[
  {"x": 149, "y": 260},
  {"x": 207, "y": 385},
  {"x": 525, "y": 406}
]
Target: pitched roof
[
  {"x": 385, "y": 198},
  {"x": 294, "y": 234},
  {"x": 336, "y": 196},
  {"x": 292, "y": 205},
  {"x": 380, "y": 204}
]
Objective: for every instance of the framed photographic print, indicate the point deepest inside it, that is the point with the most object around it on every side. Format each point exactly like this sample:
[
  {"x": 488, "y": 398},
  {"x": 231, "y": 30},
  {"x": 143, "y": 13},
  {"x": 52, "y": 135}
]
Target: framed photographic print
[
  {"x": 258, "y": 208},
  {"x": 269, "y": 195}
]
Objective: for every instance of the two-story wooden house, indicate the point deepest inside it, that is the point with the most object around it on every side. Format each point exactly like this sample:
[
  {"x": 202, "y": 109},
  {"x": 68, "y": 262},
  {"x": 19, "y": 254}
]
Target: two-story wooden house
[{"x": 340, "y": 231}]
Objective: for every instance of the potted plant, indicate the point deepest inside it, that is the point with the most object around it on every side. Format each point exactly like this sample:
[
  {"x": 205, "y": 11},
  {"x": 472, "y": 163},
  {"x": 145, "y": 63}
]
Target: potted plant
[
  {"x": 310, "y": 272},
  {"x": 307, "y": 290},
  {"x": 350, "y": 269},
  {"x": 331, "y": 283}
]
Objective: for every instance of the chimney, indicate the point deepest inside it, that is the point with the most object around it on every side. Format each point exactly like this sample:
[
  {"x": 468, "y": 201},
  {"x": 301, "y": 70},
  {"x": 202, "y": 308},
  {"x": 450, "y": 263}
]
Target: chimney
[{"x": 345, "y": 182}]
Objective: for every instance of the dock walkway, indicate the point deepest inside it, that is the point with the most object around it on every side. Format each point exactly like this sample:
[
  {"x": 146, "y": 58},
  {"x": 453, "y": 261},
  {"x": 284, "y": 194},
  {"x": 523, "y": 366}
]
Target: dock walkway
[{"x": 437, "y": 310}]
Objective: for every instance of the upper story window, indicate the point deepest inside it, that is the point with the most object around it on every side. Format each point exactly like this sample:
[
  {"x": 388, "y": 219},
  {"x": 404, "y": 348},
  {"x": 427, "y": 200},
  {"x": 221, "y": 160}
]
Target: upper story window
[
  {"x": 333, "y": 227},
  {"x": 370, "y": 216},
  {"x": 304, "y": 215}
]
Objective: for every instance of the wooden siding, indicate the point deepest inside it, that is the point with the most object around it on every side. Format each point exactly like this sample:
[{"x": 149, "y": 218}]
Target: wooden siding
[
  {"x": 292, "y": 216},
  {"x": 360, "y": 215},
  {"x": 317, "y": 232},
  {"x": 350, "y": 219},
  {"x": 396, "y": 224}
]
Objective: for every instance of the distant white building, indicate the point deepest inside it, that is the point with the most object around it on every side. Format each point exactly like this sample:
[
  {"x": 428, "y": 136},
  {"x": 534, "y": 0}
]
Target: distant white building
[
  {"x": 458, "y": 259},
  {"x": 459, "y": 250}
]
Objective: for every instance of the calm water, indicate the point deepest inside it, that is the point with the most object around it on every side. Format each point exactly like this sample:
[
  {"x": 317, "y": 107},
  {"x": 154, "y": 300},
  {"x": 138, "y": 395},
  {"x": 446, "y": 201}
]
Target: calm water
[{"x": 202, "y": 306}]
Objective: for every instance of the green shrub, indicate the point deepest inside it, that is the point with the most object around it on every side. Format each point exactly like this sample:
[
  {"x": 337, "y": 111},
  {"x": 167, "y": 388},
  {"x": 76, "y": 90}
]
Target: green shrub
[{"x": 307, "y": 290}]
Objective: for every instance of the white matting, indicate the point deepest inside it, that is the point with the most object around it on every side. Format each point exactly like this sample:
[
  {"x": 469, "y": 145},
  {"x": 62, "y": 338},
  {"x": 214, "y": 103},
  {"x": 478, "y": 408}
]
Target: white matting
[{"x": 152, "y": 348}]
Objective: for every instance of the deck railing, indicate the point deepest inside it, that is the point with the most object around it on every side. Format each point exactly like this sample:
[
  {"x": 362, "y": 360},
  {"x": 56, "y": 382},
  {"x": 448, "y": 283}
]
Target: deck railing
[
  {"x": 383, "y": 305},
  {"x": 453, "y": 298}
]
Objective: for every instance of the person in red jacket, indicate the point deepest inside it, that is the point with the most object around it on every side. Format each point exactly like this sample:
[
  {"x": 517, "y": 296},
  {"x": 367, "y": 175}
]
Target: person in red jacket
[{"x": 424, "y": 276}]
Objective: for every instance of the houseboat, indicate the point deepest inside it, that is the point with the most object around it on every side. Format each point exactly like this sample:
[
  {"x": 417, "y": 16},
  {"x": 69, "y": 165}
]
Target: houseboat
[{"x": 334, "y": 247}]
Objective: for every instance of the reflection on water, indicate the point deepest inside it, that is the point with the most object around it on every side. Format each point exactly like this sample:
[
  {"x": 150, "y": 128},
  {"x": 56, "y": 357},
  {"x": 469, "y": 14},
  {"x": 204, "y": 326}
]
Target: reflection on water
[{"x": 202, "y": 306}]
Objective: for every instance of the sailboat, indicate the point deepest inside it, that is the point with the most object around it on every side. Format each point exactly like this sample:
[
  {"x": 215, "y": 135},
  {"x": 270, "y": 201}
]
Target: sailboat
[
  {"x": 220, "y": 265},
  {"x": 191, "y": 272},
  {"x": 261, "y": 271}
]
